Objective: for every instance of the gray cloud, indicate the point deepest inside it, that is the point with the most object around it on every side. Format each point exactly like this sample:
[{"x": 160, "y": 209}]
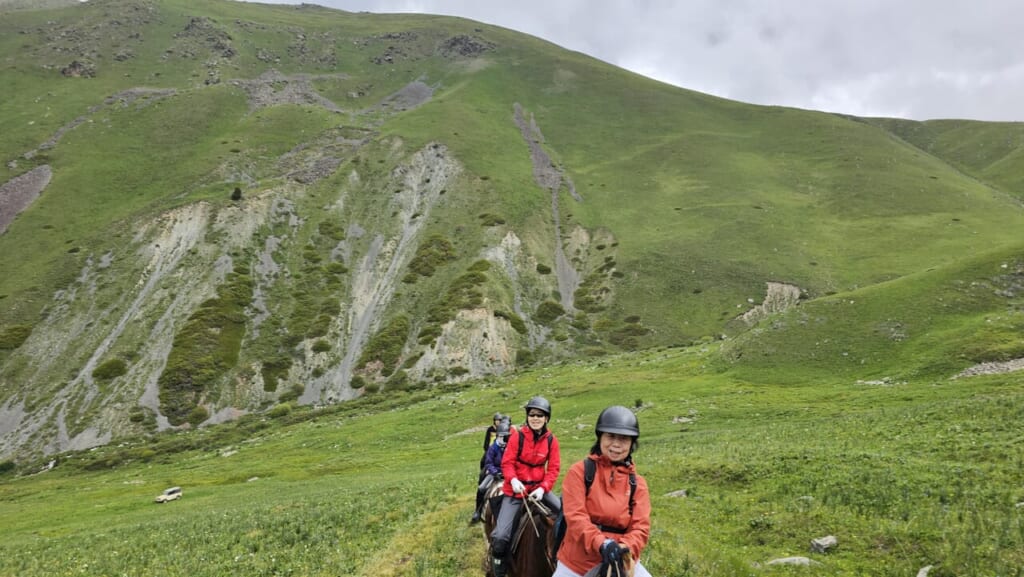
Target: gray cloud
[{"x": 916, "y": 59}]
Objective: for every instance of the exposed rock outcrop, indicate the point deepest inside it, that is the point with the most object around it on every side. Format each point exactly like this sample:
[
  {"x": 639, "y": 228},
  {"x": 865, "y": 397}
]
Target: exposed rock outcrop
[{"x": 20, "y": 192}]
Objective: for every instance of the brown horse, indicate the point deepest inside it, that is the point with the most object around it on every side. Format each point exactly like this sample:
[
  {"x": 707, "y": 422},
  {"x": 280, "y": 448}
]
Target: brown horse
[{"x": 531, "y": 553}]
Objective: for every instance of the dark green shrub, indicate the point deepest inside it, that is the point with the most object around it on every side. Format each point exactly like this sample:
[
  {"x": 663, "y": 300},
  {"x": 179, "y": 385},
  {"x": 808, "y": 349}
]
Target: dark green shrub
[
  {"x": 14, "y": 336},
  {"x": 432, "y": 253},
  {"x": 197, "y": 415},
  {"x": 548, "y": 311},
  {"x": 412, "y": 360},
  {"x": 311, "y": 255},
  {"x": 428, "y": 333},
  {"x": 488, "y": 219},
  {"x": 525, "y": 357},
  {"x": 110, "y": 369},
  {"x": 386, "y": 346},
  {"x": 7, "y": 467},
  {"x": 279, "y": 410},
  {"x": 292, "y": 394},
  {"x": 517, "y": 322},
  {"x": 273, "y": 370},
  {"x": 398, "y": 382},
  {"x": 321, "y": 346},
  {"x": 331, "y": 229},
  {"x": 206, "y": 347},
  {"x": 319, "y": 327},
  {"x": 480, "y": 266},
  {"x": 543, "y": 269},
  {"x": 462, "y": 294}
]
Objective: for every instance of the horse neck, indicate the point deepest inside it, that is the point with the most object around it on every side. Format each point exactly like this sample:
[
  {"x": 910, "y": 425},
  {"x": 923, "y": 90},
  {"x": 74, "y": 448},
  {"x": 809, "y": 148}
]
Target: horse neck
[{"x": 534, "y": 557}]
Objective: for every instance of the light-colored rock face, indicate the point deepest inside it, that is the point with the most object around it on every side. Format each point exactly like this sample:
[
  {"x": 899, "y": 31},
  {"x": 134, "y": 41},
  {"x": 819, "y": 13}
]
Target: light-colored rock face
[
  {"x": 134, "y": 299},
  {"x": 778, "y": 298},
  {"x": 476, "y": 342},
  {"x": 135, "y": 296}
]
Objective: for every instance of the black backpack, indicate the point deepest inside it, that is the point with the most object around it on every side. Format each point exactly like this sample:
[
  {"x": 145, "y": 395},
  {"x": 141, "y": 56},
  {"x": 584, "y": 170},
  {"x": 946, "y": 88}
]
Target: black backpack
[{"x": 589, "y": 471}]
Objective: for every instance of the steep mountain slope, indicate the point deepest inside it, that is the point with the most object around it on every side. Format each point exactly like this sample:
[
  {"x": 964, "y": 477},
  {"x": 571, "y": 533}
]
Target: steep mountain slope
[{"x": 250, "y": 205}]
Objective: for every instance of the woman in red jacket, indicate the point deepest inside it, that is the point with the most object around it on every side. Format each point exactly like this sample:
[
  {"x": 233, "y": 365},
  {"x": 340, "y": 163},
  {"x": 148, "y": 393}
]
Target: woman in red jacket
[
  {"x": 613, "y": 514},
  {"x": 530, "y": 465}
]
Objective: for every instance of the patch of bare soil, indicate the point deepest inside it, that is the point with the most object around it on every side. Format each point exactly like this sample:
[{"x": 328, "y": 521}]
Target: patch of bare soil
[
  {"x": 545, "y": 174},
  {"x": 20, "y": 192},
  {"x": 992, "y": 368},
  {"x": 410, "y": 96},
  {"x": 272, "y": 88}
]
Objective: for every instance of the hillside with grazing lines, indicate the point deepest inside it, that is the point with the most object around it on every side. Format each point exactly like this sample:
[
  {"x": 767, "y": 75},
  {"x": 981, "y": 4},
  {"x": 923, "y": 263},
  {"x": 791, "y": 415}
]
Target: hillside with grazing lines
[
  {"x": 213, "y": 210},
  {"x": 292, "y": 258}
]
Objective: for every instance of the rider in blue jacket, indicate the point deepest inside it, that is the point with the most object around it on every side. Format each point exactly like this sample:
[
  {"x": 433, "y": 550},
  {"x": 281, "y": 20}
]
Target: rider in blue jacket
[{"x": 492, "y": 465}]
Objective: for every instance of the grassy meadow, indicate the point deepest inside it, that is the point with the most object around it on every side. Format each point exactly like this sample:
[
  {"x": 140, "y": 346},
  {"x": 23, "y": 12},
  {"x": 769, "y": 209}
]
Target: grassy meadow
[
  {"x": 836, "y": 417},
  {"x": 905, "y": 474}
]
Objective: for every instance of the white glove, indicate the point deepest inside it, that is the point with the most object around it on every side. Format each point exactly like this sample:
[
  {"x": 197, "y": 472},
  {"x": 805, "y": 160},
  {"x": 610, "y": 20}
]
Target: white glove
[
  {"x": 518, "y": 488},
  {"x": 537, "y": 494}
]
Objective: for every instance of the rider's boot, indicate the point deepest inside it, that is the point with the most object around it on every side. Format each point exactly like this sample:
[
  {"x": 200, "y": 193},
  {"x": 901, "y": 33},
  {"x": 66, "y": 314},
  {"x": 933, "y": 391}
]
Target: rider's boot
[{"x": 500, "y": 566}]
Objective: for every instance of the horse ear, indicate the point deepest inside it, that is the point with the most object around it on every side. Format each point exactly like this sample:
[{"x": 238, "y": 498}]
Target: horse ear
[{"x": 628, "y": 563}]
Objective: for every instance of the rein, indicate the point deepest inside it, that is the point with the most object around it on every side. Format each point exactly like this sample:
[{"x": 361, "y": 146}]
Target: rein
[{"x": 541, "y": 510}]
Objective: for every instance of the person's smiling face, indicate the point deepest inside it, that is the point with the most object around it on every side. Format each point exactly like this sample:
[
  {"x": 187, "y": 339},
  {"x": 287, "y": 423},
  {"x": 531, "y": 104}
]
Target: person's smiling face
[
  {"x": 536, "y": 419},
  {"x": 615, "y": 446}
]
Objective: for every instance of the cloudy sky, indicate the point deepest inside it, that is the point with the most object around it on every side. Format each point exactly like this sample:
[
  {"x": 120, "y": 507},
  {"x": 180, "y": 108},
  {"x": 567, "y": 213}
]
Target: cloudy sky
[{"x": 917, "y": 59}]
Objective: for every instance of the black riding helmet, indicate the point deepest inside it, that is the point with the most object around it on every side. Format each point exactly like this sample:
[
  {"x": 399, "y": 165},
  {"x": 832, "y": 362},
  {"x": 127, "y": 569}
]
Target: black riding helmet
[
  {"x": 618, "y": 420},
  {"x": 539, "y": 403},
  {"x": 504, "y": 428}
]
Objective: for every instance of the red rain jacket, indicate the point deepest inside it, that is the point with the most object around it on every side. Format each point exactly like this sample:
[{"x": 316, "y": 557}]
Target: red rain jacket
[{"x": 537, "y": 464}]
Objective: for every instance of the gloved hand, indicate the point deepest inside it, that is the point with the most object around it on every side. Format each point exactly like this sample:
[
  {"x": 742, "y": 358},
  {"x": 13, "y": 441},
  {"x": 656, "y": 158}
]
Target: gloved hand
[
  {"x": 537, "y": 494},
  {"x": 611, "y": 553},
  {"x": 518, "y": 488}
]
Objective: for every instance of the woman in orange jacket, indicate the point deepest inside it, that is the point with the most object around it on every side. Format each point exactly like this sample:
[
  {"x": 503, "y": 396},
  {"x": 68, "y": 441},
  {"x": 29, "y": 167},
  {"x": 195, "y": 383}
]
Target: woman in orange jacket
[
  {"x": 612, "y": 515},
  {"x": 531, "y": 464}
]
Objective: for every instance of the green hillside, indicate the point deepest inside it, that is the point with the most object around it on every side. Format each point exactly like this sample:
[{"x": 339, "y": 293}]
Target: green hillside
[
  {"x": 988, "y": 151},
  {"x": 292, "y": 258}
]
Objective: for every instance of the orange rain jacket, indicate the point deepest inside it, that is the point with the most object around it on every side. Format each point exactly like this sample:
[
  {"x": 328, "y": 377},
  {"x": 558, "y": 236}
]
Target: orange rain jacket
[
  {"x": 537, "y": 465},
  {"x": 606, "y": 505}
]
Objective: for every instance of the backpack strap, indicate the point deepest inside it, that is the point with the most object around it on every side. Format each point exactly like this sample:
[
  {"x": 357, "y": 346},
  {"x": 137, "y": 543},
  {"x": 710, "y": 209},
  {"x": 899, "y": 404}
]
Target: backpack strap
[
  {"x": 519, "y": 451},
  {"x": 590, "y": 470}
]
